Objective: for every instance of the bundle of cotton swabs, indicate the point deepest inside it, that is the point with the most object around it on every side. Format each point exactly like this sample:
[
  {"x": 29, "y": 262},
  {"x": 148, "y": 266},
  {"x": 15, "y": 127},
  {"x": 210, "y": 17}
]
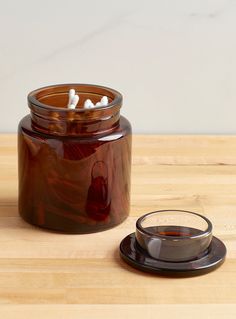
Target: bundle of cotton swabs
[{"x": 88, "y": 104}]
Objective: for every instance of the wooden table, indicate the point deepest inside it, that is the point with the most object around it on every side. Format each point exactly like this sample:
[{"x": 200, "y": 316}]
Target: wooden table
[{"x": 47, "y": 275}]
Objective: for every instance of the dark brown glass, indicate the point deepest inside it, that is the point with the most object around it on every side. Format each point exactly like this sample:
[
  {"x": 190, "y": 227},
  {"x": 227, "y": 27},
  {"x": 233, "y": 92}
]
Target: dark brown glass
[{"x": 74, "y": 165}]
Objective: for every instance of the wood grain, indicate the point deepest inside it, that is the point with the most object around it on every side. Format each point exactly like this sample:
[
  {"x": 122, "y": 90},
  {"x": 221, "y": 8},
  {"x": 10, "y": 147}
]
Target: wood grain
[{"x": 71, "y": 276}]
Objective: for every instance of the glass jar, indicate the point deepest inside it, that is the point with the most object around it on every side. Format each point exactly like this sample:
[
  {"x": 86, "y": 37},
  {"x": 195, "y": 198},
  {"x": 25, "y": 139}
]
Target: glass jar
[{"x": 74, "y": 165}]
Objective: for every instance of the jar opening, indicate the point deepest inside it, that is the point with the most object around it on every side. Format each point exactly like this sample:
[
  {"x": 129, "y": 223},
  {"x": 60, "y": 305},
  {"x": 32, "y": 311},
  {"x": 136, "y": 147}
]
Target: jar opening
[
  {"x": 56, "y": 96},
  {"x": 50, "y": 114}
]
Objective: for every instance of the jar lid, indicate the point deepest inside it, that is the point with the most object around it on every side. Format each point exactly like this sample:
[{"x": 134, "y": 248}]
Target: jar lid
[{"x": 173, "y": 242}]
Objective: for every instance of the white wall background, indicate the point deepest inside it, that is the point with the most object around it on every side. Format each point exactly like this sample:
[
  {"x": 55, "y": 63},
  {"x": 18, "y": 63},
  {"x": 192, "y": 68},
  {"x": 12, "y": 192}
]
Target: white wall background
[{"x": 173, "y": 60}]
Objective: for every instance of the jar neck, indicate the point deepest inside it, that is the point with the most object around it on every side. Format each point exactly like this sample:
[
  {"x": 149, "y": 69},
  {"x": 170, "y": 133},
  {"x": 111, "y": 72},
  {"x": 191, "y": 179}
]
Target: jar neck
[{"x": 50, "y": 115}]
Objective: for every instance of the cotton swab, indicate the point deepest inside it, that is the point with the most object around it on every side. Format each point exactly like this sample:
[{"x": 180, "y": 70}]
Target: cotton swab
[
  {"x": 88, "y": 104},
  {"x": 71, "y": 95},
  {"x": 73, "y": 99},
  {"x": 104, "y": 100},
  {"x": 74, "y": 102}
]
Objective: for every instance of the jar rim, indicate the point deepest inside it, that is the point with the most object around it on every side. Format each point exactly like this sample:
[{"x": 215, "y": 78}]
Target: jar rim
[{"x": 113, "y": 94}]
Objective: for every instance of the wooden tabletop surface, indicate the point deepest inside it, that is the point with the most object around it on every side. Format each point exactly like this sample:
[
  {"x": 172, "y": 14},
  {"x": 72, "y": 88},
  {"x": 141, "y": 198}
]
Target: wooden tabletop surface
[{"x": 47, "y": 275}]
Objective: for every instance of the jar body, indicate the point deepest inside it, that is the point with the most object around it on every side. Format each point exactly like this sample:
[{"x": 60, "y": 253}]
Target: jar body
[
  {"x": 74, "y": 184},
  {"x": 74, "y": 165}
]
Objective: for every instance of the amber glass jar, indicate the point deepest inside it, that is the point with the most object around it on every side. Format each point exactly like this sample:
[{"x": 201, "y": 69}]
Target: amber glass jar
[{"x": 74, "y": 165}]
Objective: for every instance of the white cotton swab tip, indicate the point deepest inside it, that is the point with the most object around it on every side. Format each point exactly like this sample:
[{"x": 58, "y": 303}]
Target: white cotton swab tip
[
  {"x": 75, "y": 99},
  {"x": 71, "y": 95},
  {"x": 74, "y": 102},
  {"x": 104, "y": 100},
  {"x": 88, "y": 104}
]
